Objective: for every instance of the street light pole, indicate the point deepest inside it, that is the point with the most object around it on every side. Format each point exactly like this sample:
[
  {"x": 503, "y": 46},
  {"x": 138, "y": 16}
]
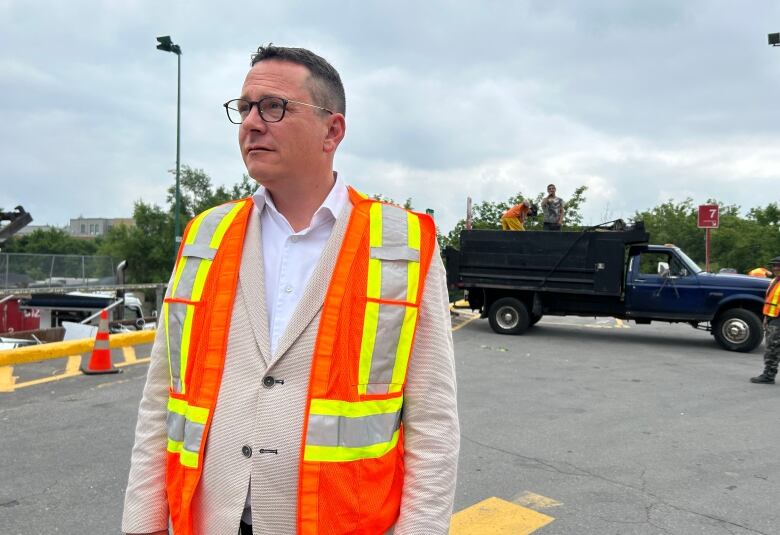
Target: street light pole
[
  {"x": 166, "y": 45},
  {"x": 176, "y": 223}
]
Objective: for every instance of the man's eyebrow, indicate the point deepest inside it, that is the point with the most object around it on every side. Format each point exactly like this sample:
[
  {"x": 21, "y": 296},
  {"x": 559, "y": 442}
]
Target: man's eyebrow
[{"x": 264, "y": 95}]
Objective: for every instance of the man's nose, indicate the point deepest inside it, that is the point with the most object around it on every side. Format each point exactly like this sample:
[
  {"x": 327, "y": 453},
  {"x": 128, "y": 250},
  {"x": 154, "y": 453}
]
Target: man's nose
[{"x": 253, "y": 120}]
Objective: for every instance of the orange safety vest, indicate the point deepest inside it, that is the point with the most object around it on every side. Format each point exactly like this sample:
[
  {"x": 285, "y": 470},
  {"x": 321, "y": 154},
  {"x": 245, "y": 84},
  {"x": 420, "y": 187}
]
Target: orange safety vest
[
  {"x": 351, "y": 473},
  {"x": 772, "y": 300}
]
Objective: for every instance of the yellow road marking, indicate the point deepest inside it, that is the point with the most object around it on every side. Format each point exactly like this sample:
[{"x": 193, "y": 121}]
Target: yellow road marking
[
  {"x": 136, "y": 361},
  {"x": 129, "y": 354},
  {"x": 7, "y": 379},
  {"x": 73, "y": 365},
  {"x": 495, "y": 516},
  {"x": 535, "y": 501},
  {"x": 47, "y": 379},
  {"x": 68, "y": 374},
  {"x": 464, "y": 323}
]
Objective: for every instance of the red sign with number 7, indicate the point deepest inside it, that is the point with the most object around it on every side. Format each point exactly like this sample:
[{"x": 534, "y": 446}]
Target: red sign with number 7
[{"x": 708, "y": 216}]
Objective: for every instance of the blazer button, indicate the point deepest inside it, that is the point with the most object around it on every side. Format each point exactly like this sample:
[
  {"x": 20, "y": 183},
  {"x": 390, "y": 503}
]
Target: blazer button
[
  {"x": 268, "y": 381},
  {"x": 247, "y": 451}
]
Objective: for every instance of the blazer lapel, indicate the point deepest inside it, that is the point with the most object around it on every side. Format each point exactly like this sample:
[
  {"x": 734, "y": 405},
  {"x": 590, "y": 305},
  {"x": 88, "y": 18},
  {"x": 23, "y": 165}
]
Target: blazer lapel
[
  {"x": 251, "y": 285},
  {"x": 314, "y": 295}
]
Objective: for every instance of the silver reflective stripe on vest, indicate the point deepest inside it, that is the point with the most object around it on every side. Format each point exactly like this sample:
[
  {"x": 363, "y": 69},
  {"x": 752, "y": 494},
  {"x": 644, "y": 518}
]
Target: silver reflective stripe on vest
[
  {"x": 395, "y": 253},
  {"x": 347, "y": 432},
  {"x": 175, "y": 325},
  {"x": 391, "y": 318},
  {"x": 175, "y": 426},
  {"x": 395, "y": 256},
  {"x": 200, "y": 250},
  {"x": 395, "y": 238},
  {"x": 187, "y": 281},
  {"x": 193, "y": 435}
]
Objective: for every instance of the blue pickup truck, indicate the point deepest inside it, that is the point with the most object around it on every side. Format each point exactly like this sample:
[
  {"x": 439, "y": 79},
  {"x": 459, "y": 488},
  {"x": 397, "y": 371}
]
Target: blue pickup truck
[{"x": 515, "y": 278}]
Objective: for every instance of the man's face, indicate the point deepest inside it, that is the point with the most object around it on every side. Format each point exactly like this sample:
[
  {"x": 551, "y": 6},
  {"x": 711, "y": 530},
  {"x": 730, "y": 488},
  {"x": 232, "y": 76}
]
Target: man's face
[
  {"x": 775, "y": 269},
  {"x": 551, "y": 190},
  {"x": 292, "y": 148}
]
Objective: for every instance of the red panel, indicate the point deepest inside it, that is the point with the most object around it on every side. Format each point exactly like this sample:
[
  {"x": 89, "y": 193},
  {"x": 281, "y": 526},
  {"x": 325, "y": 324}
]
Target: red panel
[
  {"x": 12, "y": 319},
  {"x": 708, "y": 216}
]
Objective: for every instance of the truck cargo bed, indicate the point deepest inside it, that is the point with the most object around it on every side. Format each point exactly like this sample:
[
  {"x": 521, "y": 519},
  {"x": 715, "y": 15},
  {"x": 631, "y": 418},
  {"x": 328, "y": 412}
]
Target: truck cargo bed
[{"x": 588, "y": 262}]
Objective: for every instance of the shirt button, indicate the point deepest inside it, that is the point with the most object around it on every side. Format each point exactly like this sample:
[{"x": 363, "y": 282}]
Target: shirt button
[
  {"x": 268, "y": 381},
  {"x": 246, "y": 451},
  {"x": 294, "y": 239},
  {"x": 288, "y": 289}
]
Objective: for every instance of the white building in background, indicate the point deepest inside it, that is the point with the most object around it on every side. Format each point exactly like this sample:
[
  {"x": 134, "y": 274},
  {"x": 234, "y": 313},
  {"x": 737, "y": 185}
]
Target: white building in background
[{"x": 90, "y": 227}]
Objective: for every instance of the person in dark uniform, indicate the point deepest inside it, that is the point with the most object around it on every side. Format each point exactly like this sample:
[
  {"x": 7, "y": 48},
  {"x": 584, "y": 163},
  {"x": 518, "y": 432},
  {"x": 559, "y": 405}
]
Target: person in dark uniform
[{"x": 772, "y": 327}]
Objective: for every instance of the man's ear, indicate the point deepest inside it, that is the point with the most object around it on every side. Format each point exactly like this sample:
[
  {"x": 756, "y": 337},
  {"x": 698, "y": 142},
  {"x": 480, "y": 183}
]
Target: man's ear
[{"x": 337, "y": 127}]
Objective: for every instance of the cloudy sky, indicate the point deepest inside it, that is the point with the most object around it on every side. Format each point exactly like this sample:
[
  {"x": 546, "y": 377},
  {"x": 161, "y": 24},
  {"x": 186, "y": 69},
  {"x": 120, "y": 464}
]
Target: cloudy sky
[{"x": 642, "y": 101}]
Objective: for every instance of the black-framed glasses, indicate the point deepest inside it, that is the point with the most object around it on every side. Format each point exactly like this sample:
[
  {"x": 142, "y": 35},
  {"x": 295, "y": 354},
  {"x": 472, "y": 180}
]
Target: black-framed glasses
[{"x": 271, "y": 109}]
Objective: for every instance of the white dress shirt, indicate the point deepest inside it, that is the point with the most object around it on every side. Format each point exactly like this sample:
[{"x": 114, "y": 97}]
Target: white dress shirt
[{"x": 289, "y": 259}]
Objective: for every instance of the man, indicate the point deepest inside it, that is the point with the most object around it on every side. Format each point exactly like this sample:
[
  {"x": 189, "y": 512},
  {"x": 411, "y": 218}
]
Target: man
[
  {"x": 302, "y": 379},
  {"x": 515, "y": 217},
  {"x": 553, "y": 208},
  {"x": 772, "y": 327}
]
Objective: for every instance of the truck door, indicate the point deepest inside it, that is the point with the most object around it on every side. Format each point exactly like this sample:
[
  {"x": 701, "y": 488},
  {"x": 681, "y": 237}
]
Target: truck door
[{"x": 661, "y": 286}]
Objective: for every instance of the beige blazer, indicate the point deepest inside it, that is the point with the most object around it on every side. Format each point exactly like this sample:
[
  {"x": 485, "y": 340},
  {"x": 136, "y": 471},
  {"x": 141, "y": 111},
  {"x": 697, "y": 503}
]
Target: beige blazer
[{"x": 249, "y": 414}]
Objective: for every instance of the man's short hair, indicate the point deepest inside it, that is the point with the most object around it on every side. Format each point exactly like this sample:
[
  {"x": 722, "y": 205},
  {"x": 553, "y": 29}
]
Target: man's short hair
[
  {"x": 324, "y": 83},
  {"x": 553, "y": 185}
]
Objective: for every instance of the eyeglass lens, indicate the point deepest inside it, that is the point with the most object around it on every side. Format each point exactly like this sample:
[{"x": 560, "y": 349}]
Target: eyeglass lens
[{"x": 271, "y": 109}]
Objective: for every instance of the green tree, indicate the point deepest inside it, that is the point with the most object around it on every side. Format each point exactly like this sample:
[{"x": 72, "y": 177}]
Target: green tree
[
  {"x": 380, "y": 197},
  {"x": 147, "y": 246},
  {"x": 486, "y": 215},
  {"x": 197, "y": 192},
  {"x": 740, "y": 242},
  {"x": 50, "y": 241}
]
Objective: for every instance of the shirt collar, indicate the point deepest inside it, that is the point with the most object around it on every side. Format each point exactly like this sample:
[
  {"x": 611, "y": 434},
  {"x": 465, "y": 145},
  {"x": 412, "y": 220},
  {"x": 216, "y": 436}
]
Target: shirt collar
[{"x": 329, "y": 210}]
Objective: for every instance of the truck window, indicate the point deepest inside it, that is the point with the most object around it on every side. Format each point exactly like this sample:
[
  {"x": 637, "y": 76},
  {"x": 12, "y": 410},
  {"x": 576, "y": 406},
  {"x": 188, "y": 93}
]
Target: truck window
[
  {"x": 677, "y": 268},
  {"x": 648, "y": 262}
]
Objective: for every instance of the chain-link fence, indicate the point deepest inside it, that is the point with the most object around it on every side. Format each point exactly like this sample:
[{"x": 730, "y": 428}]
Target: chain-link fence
[{"x": 23, "y": 270}]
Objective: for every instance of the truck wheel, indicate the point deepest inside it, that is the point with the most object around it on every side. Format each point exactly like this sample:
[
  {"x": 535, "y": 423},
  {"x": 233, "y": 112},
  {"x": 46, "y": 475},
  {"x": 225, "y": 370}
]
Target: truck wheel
[
  {"x": 738, "y": 329},
  {"x": 508, "y": 316},
  {"x": 534, "y": 319}
]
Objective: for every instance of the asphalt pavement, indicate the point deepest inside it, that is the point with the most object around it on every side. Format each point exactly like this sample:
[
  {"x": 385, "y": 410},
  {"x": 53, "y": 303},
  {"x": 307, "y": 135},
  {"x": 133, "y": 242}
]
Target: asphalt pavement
[{"x": 606, "y": 428}]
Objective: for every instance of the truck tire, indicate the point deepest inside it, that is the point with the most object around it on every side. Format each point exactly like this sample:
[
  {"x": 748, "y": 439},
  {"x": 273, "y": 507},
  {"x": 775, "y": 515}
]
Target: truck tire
[
  {"x": 738, "y": 329},
  {"x": 509, "y": 316}
]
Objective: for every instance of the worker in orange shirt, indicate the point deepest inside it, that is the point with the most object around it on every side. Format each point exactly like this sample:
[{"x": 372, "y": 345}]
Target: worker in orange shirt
[
  {"x": 760, "y": 272},
  {"x": 514, "y": 218}
]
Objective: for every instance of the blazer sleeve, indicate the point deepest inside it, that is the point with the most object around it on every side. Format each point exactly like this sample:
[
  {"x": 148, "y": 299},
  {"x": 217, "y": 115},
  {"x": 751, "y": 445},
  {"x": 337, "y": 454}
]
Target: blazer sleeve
[
  {"x": 146, "y": 504},
  {"x": 430, "y": 416}
]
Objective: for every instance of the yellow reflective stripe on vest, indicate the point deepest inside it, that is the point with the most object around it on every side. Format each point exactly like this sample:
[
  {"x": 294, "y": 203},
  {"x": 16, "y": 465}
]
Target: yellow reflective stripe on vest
[
  {"x": 186, "y": 424},
  {"x": 772, "y": 302},
  {"x": 347, "y": 431},
  {"x": 340, "y": 454},
  {"x": 192, "y": 269},
  {"x": 392, "y": 290}
]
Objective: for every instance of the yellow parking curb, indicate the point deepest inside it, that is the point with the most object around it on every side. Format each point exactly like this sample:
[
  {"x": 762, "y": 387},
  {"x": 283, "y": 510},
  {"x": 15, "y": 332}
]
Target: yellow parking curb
[{"x": 56, "y": 350}]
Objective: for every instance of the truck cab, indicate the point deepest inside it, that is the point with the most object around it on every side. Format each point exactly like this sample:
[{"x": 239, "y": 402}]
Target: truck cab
[{"x": 664, "y": 284}]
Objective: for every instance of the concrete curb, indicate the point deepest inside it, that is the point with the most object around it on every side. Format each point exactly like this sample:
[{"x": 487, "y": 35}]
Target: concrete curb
[{"x": 57, "y": 350}]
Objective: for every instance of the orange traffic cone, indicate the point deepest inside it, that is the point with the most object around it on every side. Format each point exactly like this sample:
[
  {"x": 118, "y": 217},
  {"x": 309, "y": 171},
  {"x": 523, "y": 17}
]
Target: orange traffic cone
[{"x": 100, "y": 361}]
